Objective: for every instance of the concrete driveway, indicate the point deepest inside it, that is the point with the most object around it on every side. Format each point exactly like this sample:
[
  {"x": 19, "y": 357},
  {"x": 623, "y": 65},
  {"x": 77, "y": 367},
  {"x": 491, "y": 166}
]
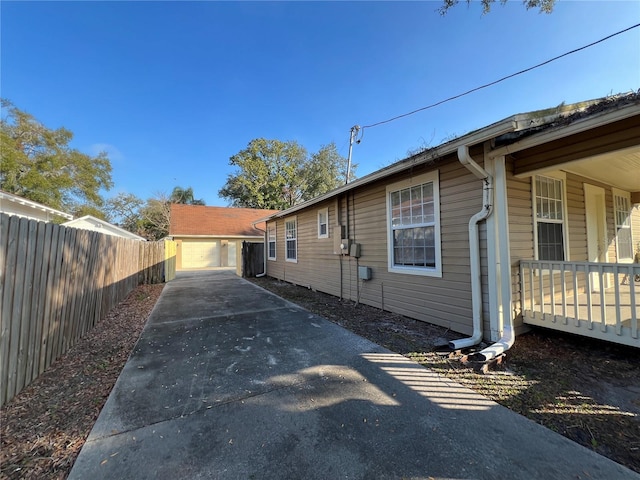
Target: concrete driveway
[{"x": 229, "y": 381}]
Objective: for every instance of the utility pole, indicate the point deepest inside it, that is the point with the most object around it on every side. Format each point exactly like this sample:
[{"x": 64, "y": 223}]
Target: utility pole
[{"x": 354, "y": 132}]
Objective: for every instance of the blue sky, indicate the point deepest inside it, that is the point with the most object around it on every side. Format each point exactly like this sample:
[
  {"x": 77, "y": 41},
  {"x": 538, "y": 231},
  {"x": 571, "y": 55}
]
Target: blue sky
[{"x": 172, "y": 90}]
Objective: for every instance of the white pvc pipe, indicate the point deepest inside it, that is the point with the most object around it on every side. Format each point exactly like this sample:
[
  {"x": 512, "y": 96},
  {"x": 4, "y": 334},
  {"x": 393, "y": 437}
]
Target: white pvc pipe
[{"x": 474, "y": 248}]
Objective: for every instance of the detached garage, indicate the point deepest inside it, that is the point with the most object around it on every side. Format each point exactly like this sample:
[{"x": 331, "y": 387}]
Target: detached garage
[{"x": 211, "y": 237}]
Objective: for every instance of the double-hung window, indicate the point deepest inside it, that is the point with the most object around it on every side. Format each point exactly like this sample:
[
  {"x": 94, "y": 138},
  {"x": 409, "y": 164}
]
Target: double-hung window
[
  {"x": 272, "y": 242},
  {"x": 413, "y": 224},
  {"x": 323, "y": 223},
  {"x": 622, "y": 212},
  {"x": 550, "y": 218},
  {"x": 291, "y": 239}
]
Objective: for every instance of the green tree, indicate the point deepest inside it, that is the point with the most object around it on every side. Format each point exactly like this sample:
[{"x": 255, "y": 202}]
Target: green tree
[
  {"x": 273, "y": 174},
  {"x": 83, "y": 209},
  {"x": 151, "y": 218},
  {"x": 155, "y": 217},
  {"x": 325, "y": 171},
  {"x": 544, "y": 6},
  {"x": 125, "y": 210},
  {"x": 37, "y": 163},
  {"x": 184, "y": 196}
]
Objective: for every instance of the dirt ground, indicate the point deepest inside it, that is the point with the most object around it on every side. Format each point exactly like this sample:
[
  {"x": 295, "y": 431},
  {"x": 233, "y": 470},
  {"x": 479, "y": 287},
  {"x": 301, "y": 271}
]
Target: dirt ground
[
  {"x": 587, "y": 391},
  {"x": 44, "y": 427}
]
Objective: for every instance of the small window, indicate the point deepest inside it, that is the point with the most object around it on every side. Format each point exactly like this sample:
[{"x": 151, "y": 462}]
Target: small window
[
  {"x": 413, "y": 222},
  {"x": 550, "y": 218},
  {"x": 323, "y": 223},
  {"x": 622, "y": 213},
  {"x": 272, "y": 242},
  {"x": 291, "y": 239}
]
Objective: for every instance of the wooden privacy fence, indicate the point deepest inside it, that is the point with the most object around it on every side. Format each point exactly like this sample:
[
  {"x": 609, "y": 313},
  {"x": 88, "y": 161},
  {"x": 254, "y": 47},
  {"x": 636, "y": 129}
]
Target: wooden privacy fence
[
  {"x": 252, "y": 259},
  {"x": 56, "y": 283}
]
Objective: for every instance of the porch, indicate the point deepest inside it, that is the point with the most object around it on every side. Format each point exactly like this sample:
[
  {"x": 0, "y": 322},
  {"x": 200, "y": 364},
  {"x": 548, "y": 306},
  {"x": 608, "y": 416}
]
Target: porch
[{"x": 597, "y": 300}]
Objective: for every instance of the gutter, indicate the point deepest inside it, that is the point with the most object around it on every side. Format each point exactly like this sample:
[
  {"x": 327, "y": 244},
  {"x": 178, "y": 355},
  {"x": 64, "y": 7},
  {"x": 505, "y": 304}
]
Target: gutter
[{"x": 562, "y": 130}]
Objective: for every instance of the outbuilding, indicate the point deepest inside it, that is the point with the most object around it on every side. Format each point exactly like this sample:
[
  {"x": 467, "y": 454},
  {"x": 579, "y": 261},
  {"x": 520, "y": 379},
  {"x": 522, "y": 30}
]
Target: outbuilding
[{"x": 209, "y": 237}]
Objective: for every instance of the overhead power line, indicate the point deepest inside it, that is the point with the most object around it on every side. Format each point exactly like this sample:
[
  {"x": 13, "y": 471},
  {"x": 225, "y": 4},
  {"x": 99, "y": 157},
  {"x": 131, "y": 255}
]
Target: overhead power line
[{"x": 499, "y": 80}]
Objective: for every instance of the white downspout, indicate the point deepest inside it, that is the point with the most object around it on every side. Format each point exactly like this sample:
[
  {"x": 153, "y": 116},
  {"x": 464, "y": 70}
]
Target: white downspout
[{"x": 474, "y": 247}]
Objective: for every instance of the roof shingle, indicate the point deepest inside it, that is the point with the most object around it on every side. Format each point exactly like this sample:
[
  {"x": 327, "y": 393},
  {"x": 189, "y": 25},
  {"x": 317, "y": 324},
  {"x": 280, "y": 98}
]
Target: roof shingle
[{"x": 219, "y": 221}]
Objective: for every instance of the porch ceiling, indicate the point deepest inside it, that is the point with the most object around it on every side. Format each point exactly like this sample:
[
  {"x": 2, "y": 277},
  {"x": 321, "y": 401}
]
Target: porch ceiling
[{"x": 620, "y": 169}]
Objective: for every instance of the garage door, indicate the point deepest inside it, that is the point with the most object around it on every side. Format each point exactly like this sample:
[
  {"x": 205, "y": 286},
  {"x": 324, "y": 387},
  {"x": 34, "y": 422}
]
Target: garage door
[{"x": 200, "y": 254}]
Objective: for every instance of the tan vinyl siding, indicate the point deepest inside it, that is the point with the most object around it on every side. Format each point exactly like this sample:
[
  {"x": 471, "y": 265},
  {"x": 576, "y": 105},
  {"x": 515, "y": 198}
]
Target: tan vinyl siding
[
  {"x": 316, "y": 267},
  {"x": 521, "y": 240},
  {"x": 443, "y": 301},
  {"x": 275, "y": 268}
]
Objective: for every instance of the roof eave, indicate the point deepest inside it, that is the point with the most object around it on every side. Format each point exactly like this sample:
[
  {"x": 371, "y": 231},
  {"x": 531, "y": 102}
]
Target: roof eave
[
  {"x": 564, "y": 130},
  {"x": 35, "y": 205},
  {"x": 430, "y": 155}
]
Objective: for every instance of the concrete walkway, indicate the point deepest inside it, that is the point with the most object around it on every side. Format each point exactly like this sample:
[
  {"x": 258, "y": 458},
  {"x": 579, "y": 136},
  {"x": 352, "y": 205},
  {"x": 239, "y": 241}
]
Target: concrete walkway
[{"x": 229, "y": 381}]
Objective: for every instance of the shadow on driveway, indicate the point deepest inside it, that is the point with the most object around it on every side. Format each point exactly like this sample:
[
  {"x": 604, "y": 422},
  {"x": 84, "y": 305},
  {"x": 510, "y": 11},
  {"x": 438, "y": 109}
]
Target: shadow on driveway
[{"x": 230, "y": 381}]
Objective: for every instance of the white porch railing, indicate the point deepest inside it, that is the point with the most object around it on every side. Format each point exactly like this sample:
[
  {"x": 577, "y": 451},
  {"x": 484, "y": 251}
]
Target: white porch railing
[{"x": 598, "y": 300}]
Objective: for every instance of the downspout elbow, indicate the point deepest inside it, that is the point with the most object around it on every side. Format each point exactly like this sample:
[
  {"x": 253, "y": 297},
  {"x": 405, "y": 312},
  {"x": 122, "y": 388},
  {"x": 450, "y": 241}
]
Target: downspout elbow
[
  {"x": 498, "y": 348},
  {"x": 465, "y": 159}
]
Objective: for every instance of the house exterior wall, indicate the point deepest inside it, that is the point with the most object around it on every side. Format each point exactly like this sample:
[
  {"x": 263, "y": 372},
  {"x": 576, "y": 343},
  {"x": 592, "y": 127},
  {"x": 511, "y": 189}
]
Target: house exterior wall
[
  {"x": 445, "y": 299},
  {"x": 362, "y": 212}
]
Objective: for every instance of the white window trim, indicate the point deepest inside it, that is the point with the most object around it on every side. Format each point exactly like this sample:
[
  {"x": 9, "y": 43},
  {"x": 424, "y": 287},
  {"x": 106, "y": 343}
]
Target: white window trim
[
  {"x": 621, "y": 193},
  {"x": 286, "y": 250},
  {"x": 324, "y": 211},
  {"x": 565, "y": 218},
  {"x": 273, "y": 228},
  {"x": 434, "y": 178}
]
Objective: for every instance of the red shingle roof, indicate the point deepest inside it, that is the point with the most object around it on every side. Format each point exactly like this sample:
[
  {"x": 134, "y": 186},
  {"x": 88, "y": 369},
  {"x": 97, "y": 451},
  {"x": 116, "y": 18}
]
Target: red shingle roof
[{"x": 223, "y": 221}]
